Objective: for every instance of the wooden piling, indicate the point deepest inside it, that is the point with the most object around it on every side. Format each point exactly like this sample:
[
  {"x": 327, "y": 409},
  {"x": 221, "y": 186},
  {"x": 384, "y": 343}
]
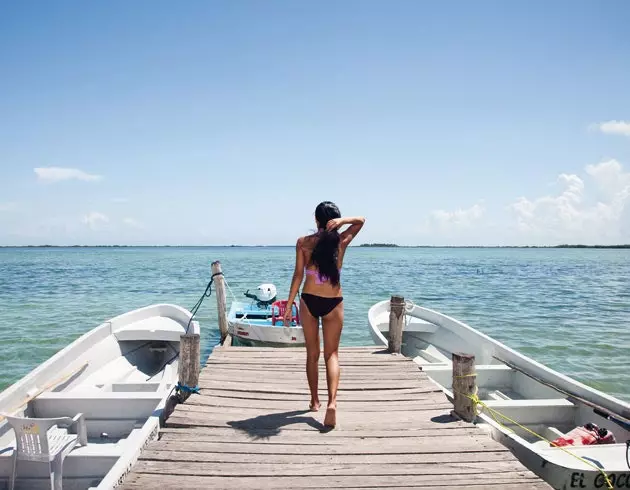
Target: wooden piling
[
  {"x": 396, "y": 323},
  {"x": 219, "y": 288},
  {"x": 189, "y": 361},
  {"x": 464, "y": 386}
]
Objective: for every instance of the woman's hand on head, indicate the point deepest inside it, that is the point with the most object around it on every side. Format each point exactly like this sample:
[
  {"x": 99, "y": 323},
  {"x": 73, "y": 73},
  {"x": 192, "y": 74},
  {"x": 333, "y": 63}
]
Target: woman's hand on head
[{"x": 334, "y": 224}]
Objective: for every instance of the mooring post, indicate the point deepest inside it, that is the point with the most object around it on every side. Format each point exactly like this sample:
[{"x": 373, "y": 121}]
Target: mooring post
[
  {"x": 188, "y": 364},
  {"x": 219, "y": 288},
  {"x": 396, "y": 322},
  {"x": 464, "y": 386}
]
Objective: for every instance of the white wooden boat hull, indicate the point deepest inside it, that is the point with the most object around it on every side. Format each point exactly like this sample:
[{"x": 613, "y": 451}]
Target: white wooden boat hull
[
  {"x": 430, "y": 338},
  {"x": 252, "y": 325},
  {"x": 120, "y": 375},
  {"x": 267, "y": 334}
]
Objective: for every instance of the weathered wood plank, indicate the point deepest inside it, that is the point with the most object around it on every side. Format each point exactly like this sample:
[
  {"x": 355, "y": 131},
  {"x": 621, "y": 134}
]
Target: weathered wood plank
[
  {"x": 253, "y": 350},
  {"x": 385, "y": 395},
  {"x": 180, "y": 433},
  {"x": 238, "y": 468},
  {"x": 296, "y": 351},
  {"x": 345, "y": 411},
  {"x": 298, "y": 422},
  {"x": 205, "y": 384},
  {"x": 165, "y": 480},
  {"x": 463, "y": 444},
  {"x": 374, "y": 385},
  {"x": 159, "y": 454},
  {"x": 276, "y": 370},
  {"x": 299, "y": 362},
  {"x": 360, "y": 406},
  {"x": 439, "y": 406},
  {"x": 303, "y": 438},
  {"x": 300, "y": 377},
  {"x": 378, "y": 357}
]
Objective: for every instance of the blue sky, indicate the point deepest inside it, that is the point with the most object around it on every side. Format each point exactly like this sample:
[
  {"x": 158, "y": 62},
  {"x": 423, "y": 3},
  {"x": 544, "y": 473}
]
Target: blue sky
[{"x": 457, "y": 123}]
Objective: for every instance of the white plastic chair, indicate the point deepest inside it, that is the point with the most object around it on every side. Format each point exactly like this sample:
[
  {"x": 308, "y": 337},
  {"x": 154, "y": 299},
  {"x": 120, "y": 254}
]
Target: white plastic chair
[{"x": 44, "y": 441}]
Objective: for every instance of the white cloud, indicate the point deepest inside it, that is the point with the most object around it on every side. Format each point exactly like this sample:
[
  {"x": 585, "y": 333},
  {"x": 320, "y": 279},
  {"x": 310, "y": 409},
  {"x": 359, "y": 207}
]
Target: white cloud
[
  {"x": 7, "y": 206},
  {"x": 458, "y": 218},
  {"x": 613, "y": 127},
  {"x": 577, "y": 213},
  {"x": 58, "y": 174},
  {"x": 94, "y": 220}
]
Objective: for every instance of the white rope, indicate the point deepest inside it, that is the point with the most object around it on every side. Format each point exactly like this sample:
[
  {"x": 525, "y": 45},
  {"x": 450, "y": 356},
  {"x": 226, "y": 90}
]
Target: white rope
[
  {"x": 229, "y": 288},
  {"x": 244, "y": 317},
  {"x": 409, "y": 305}
]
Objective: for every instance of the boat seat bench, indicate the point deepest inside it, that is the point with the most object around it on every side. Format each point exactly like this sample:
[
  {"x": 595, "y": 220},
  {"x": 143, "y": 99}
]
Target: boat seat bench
[
  {"x": 155, "y": 328},
  {"x": 103, "y": 405},
  {"x": 542, "y": 411}
]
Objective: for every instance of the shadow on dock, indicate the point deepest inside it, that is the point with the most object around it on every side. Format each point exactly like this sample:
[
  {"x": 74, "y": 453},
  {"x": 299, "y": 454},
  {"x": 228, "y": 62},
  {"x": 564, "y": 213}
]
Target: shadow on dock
[{"x": 266, "y": 426}]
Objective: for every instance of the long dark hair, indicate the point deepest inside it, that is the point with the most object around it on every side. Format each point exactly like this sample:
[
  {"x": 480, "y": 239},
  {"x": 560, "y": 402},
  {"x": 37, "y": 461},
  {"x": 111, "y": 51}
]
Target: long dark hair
[{"x": 326, "y": 250}]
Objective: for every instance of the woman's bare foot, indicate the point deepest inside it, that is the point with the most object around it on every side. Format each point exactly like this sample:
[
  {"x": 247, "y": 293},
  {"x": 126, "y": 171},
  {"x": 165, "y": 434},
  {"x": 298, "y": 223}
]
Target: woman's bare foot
[
  {"x": 331, "y": 416},
  {"x": 314, "y": 406}
]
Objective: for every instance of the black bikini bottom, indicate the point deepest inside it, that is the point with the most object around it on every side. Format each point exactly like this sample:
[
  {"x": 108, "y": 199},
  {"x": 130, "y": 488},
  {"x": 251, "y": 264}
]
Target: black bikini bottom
[{"x": 318, "y": 305}]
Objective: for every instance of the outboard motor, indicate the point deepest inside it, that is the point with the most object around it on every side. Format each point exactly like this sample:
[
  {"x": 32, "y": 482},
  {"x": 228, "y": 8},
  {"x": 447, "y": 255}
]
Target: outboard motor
[{"x": 264, "y": 296}]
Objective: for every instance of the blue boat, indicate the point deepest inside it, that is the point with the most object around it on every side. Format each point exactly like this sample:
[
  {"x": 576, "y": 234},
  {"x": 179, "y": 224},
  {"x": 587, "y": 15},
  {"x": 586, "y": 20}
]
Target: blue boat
[{"x": 259, "y": 320}]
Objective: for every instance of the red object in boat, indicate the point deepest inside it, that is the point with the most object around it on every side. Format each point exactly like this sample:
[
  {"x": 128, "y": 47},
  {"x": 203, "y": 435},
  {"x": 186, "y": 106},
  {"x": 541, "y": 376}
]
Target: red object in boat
[
  {"x": 281, "y": 307},
  {"x": 586, "y": 435}
]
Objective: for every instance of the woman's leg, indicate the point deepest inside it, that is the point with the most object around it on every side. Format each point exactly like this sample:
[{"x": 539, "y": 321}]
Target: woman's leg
[
  {"x": 310, "y": 326},
  {"x": 332, "y": 325}
]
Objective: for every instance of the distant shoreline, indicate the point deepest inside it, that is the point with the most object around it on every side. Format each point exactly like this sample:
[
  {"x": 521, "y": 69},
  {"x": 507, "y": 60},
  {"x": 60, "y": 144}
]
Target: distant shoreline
[{"x": 363, "y": 245}]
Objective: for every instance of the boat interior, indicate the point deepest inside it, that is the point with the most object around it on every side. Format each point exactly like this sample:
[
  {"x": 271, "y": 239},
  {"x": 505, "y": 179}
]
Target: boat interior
[
  {"x": 538, "y": 409},
  {"x": 117, "y": 380}
]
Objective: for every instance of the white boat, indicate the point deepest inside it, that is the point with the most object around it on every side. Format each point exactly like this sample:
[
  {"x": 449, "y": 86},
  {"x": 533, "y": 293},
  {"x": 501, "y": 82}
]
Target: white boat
[
  {"x": 542, "y": 400},
  {"x": 259, "y": 320},
  {"x": 119, "y": 376}
]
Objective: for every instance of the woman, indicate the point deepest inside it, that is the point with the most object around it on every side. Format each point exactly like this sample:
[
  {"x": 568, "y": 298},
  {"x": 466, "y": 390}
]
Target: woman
[{"x": 320, "y": 257}]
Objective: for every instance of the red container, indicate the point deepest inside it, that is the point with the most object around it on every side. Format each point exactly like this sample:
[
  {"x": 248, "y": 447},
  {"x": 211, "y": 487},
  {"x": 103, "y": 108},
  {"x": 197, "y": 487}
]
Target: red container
[{"x": 580, "y": 436}]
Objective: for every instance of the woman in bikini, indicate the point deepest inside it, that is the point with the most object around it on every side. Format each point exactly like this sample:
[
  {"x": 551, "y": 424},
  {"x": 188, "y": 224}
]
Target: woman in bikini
[{"x": 320, "y": 257}]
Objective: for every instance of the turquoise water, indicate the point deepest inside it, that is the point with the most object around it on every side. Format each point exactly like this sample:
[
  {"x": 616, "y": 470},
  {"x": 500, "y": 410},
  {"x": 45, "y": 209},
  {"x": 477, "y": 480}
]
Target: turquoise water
[{"x": 566, "y": 308}]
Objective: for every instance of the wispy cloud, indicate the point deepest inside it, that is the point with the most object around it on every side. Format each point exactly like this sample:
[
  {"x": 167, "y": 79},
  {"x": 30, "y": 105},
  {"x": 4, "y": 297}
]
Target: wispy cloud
[
  {"x": 459, "y": 217},
  {"x": 613, "y": 127},
  {"x": 132, "y": 223},
  {"x": 94, "y": 220},
  {"x": 7, "y": 206},
  {"x": 59, "y": 174}
]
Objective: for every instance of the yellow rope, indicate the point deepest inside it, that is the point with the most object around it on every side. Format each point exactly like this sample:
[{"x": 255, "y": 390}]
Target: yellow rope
[{"x": 477, "y": 402}]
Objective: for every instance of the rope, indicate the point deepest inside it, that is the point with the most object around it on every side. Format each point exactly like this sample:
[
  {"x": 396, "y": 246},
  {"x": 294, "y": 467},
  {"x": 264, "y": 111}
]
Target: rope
[
  {"x": 409, "y": 305},
  {"x": 229, "y": 289},
  {"x": 206, "y": 294},
  {"x": 477, "y": 402},
  {"x": 187, "y": 389},
  {"x": 244, "y": 317}
]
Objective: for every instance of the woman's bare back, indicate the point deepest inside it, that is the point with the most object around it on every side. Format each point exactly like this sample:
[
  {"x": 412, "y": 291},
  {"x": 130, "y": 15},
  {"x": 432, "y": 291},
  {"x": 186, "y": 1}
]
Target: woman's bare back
[{"x": 313, "y": 283}]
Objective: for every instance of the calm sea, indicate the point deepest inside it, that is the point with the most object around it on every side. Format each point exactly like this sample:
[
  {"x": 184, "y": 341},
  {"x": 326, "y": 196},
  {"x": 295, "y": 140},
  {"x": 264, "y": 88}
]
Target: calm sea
[{"x": 566, "y": 308}]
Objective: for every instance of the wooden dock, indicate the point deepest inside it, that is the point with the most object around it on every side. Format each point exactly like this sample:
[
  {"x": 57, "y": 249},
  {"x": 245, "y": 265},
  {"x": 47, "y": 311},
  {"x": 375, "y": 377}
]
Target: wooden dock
[{"x": 250, "y": 428}]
